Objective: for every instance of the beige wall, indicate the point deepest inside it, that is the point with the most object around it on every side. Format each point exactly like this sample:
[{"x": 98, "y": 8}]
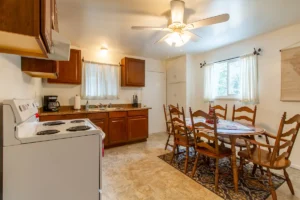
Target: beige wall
[
  {"x": 270, "y": 108},
  {"x": 153, "y": 95},
  {"x": 14, "y": 83}
]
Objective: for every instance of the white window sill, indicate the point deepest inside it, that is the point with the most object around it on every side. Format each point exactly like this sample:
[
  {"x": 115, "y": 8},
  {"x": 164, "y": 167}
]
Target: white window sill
[{"x": 229, "y": 98}]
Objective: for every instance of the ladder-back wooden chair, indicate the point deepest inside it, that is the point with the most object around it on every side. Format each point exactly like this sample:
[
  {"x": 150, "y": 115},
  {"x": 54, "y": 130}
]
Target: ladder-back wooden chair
[
  {"x": 168, "y": 124},
  {"x": 181, "y": 134},
  {"x": 239, "y": 142},
  {"x": 219, "y": 110},
  {"x": 275, "y": 156},
  {"x": 244, "y": 117},
  {"x": 211, "y": 149}
]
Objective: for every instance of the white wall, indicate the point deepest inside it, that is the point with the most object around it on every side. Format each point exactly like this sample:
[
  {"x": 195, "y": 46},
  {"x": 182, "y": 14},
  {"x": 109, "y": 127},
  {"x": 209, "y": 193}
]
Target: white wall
[
  {"x": 152, "y": 95},
  {"x": 14, "y": 83},
  {"x": 270, "y": 108}
]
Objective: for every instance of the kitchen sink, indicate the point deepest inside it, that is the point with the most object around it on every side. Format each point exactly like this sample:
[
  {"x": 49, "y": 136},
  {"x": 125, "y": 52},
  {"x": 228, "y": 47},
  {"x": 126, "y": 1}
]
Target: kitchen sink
[{"x": 105, "y": 109}]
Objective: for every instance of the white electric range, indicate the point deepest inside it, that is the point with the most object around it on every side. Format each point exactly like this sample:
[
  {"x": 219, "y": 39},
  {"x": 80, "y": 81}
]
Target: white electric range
[{"x": 58, "y": 160}]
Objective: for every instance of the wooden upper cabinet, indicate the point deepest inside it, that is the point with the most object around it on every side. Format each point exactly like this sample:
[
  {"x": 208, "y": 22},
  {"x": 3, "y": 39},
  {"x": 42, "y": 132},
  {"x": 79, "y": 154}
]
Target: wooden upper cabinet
[
  {"x": 133, "y": 72},
  {"x": 40, "y": 67},
  {"x": 70, "y": 71},
  {"x": 46, "y": 23},
  {"x": 54, "y": 16},
  {"x": 25, "y": 27}
]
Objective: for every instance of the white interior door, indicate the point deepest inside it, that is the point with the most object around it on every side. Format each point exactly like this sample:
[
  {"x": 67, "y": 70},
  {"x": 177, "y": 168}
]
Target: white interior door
[{"x": 155, "y": 97}]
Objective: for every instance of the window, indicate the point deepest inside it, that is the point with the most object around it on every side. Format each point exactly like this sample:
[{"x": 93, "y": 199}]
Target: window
[
  {"x": 228, "y": 79},
  {"x": 236, "y": 79},
  {"x": 100, "y": 81}
]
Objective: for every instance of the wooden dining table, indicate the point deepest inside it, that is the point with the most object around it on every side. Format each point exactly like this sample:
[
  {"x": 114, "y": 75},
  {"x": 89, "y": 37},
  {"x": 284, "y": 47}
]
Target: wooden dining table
[{"x": 233, "y": 130}]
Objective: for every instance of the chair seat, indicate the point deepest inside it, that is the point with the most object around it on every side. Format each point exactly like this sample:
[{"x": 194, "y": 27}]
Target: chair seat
[
  {"x": 265, "y": 159},
  {"x": 239, "y": 142},
  {"x": 223, "y": 151}
]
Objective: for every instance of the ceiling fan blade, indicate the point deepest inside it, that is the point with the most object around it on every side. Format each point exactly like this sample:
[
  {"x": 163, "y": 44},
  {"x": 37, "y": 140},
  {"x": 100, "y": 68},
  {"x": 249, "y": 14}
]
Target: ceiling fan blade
[
  {"x": 149, "y": 28},
  {"x": 163, "y": 38},
  {"x": 193, "y": 36},
  {"x": 208, "y": 21},
  {"x": 177, "y": 11}
]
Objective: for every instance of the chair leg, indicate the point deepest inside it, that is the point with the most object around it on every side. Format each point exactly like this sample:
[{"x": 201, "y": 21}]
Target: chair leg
[
  {"x": 195, "y": 165},
  {"x": 242, "y": 166},
  {"x": 217, "y": 174},
  {"x": 167, "y": 142},
  {"x": 254, "y": 169},
  {"x": 174, "y": 148},
  {"x": 289, "y": 182},
  {"x": 207, "y": 160},
  {"x": 186, "y": 160},
  {"x": 273, "y": 192},
  {"x": 261, "y": 170}
]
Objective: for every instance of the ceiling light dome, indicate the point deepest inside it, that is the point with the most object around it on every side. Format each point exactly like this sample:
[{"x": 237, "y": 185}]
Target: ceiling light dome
[{"x": 177, "y": 39}]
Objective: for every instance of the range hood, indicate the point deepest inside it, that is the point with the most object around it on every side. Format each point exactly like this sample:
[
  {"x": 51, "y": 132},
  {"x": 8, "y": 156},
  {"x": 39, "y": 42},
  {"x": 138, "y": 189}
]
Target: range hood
[{"x": 60, "y": 51}]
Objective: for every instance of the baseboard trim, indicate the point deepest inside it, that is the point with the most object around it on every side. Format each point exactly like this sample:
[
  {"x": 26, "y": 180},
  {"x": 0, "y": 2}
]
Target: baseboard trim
[{"x": 295, "y": 166}]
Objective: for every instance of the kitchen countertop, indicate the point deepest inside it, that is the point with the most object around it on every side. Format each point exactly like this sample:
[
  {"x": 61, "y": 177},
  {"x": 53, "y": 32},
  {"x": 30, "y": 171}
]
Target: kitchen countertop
[{"x": 92, "y": 110}]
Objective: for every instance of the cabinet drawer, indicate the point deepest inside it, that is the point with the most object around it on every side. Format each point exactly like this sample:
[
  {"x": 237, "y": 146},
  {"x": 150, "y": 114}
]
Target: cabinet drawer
[
  {"x": 138, "y": 113},
  {"x": 97, "y": 115},
  {"x": 74, "y": 116},
  {"x": 117, "y": 114},
  {"x": 50, "y": 118}
]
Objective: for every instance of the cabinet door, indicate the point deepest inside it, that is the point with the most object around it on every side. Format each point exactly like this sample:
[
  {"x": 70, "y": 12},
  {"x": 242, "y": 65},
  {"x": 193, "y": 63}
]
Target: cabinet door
[
  {"x": 137, "y": 128},
  {"x": 50, "y": 118},
  {"x": 102, "y": 123},
  {"x": 54, "y": 16},
  {"x": 69, "y": 71},
  {"x": 117, "y": 130},
  {"x": 74, "y": 116},
  {"x": 134, "y": 72},
  {"x": 46, "y": 23},
  {"x": 176, "y": 93}
]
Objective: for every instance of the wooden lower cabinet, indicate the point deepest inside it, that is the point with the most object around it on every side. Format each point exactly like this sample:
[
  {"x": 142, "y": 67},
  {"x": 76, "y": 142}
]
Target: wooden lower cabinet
[
  {"x": 117, "y": 131},
  {"x": 137, "y": 128},
  {"x": 102, "y": 123},
  {"x": 120, "y": 127}
]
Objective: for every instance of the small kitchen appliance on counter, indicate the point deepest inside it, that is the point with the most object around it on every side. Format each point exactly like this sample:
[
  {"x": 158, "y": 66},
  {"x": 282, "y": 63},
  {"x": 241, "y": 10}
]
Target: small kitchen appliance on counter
[
  {"x": 135, "y": 101},
  {"x": 51, "y": 104},
  {"x": 48, "y": 160}
]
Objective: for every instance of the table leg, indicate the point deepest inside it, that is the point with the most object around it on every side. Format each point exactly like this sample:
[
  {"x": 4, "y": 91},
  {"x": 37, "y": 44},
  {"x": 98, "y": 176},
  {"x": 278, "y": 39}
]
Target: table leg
[{"x": 234, "y": 166}]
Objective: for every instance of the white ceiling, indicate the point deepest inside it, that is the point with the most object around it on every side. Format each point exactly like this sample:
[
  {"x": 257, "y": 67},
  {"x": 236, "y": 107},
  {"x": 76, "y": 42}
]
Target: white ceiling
[{"x": 92, "y": 23}]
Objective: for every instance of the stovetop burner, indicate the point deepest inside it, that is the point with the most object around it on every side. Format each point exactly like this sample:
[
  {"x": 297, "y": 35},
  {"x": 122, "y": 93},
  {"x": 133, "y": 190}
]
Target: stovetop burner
[
  {"x": 48, "y": 132},
  {"x": 79, "y": 128},
  {"x": 54, "y": 123},
  {"x": 77, "y": 121}
]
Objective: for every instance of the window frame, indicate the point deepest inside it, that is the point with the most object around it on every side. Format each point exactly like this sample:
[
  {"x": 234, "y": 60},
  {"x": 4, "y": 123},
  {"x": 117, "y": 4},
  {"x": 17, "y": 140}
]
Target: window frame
[{"x": 228, "y": 96}]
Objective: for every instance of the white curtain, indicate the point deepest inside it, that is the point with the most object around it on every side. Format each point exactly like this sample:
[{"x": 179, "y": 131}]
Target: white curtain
[
  {"x": 210, "y": 82},
  {"x": 249, "y": 79},
  {"x": 100, "y": 81}
]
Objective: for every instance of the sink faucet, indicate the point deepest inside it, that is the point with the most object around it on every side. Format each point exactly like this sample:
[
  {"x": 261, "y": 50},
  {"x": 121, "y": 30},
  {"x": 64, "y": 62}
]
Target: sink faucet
[
  {"x": 100, "y": 105},
  {"x": 108, "y": 105}
]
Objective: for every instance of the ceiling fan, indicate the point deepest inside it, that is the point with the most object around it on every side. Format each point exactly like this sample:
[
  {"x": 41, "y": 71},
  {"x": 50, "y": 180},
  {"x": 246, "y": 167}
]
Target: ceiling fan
[{"x": 179, "y": 31}]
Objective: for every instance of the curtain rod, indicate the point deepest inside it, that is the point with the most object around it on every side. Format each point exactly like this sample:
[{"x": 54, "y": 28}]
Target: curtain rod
[
  {"x": 256, "y": 52},
  {"x": 92, "y": 62}
]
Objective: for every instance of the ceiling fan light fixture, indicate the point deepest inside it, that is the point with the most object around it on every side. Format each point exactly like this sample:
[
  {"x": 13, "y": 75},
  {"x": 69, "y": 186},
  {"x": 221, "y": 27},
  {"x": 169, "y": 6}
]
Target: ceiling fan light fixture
[{"x": 177, "y": 39}]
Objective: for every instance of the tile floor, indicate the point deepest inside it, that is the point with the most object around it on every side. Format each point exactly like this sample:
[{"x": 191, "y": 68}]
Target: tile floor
[{"x": 135, "y": 172}]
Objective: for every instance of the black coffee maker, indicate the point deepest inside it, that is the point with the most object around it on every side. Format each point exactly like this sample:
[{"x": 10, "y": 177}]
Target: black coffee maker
[{"x": 51, "y": 104}]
